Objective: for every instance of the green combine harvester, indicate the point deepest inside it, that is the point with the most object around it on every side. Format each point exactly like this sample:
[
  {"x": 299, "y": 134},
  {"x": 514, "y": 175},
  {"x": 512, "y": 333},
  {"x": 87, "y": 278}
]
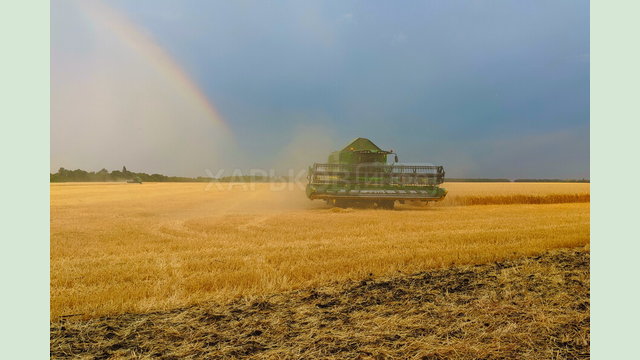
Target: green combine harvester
[
  {"x": 359, "y": 175},
  {"x": 135, "y": 180}
]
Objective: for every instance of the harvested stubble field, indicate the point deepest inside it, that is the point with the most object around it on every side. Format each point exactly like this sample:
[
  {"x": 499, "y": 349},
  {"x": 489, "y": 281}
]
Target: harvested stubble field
[
  {"x": 129, "y": 248},
  {"x": 531, "y": 308}
]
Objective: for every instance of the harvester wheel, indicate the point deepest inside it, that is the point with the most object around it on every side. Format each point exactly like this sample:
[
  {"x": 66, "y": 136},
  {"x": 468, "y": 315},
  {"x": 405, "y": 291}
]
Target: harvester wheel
[
  {"x": 386, "y": 204},
  {"x": 341, "y": 203}
]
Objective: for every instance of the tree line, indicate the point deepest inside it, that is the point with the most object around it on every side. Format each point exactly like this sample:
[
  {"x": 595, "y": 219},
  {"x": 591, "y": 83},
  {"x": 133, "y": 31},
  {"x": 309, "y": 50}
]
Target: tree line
[{"x": 104, "y": 175}]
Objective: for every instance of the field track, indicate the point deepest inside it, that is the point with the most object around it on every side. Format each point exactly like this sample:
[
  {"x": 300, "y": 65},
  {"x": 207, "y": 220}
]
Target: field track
[{"x": 528, "y": 308}]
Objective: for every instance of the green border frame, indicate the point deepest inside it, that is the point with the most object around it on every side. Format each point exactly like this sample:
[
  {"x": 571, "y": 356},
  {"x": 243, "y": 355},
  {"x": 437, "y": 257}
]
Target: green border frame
[
  {"x": 24, "y": 190},
  {"x": 615, "y": 127}
]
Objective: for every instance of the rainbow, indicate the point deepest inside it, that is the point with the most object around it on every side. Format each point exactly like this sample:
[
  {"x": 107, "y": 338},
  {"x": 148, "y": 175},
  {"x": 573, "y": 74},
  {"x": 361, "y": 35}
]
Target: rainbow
[{"x": 132, "y": 36}]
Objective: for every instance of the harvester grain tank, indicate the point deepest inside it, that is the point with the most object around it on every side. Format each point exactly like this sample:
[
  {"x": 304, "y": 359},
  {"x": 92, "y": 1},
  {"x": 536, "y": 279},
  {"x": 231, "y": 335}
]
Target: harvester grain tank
[{"x": 360, "y": 174}]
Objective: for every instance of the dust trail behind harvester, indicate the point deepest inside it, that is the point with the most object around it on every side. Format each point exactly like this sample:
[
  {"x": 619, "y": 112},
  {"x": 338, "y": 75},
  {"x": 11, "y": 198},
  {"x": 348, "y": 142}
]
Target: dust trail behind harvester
[{"x": 308, "y": 143}]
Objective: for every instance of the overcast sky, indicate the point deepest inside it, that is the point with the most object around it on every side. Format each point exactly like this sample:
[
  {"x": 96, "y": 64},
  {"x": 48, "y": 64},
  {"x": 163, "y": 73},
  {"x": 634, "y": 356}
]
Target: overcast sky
[{"x": 485, "y": 88}]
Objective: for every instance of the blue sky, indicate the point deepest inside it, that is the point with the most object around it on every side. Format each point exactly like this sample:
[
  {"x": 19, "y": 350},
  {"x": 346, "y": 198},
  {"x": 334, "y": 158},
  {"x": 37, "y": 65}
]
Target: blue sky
[{"x": 485, "y": 88}]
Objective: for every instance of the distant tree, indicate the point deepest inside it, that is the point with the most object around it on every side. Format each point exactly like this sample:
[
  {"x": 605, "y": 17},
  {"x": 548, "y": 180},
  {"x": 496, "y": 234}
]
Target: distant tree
[
  {"x": 102, "y": 175},
  {"x": 117, "y": 175},
  {"x": 77, "y": 175},
  {"x": 158, "y": 177}
]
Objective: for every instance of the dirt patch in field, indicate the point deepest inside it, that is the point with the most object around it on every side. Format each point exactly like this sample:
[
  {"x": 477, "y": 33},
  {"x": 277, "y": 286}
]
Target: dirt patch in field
[{"x": 530, "y": 308}]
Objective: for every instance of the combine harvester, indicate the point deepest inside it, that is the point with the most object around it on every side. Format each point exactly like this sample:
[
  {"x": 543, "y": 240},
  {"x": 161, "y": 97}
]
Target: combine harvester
[
  {"x": 360, "y": 175},
  {"x": 135, "y": 180}
]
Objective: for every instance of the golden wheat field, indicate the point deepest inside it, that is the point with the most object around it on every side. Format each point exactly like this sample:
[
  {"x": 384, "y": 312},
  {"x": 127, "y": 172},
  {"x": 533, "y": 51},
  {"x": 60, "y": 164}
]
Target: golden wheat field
[{"x": 119, "y": 248}]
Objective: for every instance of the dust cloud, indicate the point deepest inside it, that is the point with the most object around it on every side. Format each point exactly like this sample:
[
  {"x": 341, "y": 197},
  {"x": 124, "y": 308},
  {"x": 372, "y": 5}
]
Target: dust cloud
[{"x": 310, "y": 143}]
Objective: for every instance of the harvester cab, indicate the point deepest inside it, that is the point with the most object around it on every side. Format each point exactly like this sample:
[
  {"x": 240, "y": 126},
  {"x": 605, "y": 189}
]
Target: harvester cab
[{"x": 360, "y": 174}]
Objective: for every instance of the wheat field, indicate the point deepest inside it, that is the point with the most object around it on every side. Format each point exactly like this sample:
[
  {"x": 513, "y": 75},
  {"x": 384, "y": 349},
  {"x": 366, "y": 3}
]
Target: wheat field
[{"x": 119, "y": 248}]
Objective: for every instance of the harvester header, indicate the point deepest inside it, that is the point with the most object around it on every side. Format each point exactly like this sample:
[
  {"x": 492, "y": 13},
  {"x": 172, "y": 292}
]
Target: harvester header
[{"x": 359, "y": 174}]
